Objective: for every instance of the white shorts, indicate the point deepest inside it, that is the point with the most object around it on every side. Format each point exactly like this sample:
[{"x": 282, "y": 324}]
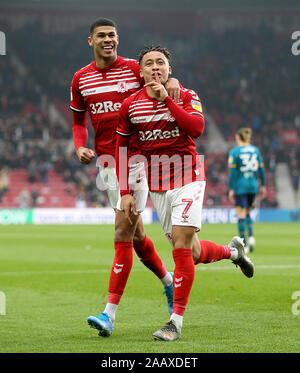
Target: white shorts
[
  {"x": 107, "y": 180},
  {"x": 180, "y": 206}
]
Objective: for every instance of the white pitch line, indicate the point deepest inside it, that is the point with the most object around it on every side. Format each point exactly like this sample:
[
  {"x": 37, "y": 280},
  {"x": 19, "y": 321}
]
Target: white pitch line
[
  {"x": 275, "y": 266},
  {"x": 142, "y": 269},
  {"x": 54, "y": 272}
]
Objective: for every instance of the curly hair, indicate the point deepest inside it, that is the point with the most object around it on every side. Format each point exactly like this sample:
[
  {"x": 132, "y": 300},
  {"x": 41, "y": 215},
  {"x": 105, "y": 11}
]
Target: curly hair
[{"x": 152, "y": 48}]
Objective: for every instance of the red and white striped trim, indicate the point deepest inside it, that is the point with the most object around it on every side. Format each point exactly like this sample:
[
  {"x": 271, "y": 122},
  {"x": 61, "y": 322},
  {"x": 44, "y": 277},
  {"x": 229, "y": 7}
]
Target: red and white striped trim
[{"x": 79, "y": 110}]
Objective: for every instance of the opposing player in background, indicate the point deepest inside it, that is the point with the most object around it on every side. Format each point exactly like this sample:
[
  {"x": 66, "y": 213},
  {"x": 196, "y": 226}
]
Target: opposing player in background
[
  {"x": 246, "y": 166},
  {"x": 99, "y": 90},
  {"x": 165, "y": 133}
]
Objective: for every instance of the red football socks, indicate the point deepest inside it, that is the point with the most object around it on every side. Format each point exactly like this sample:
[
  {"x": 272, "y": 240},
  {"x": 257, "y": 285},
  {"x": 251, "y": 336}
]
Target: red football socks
[
  {"x": 184, "y": 275},
  {"x": 120, "y": 271},
  {"x": 212, "y": 252},
  {"x": 146, "y": 252}
]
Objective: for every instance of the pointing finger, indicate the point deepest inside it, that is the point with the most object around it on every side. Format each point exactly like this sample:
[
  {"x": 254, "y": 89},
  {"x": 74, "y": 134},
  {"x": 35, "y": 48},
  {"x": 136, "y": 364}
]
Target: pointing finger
[
  {"x": 156, "y": 77},
  {"x": 151, "y": 84}
]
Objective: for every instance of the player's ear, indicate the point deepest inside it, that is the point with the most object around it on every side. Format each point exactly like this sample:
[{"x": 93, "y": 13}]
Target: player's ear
[
  {"x": 170, "y": 70},
  {"x": 117, "y": 39},
  {"x": 141, "y": 73},
  {"x": 90, "y": 41}
]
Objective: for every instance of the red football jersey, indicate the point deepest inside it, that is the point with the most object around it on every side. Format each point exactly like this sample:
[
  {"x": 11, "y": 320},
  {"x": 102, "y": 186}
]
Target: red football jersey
[
  {"x": 172, "y": 160},
  {"x": 101, "y": 93}
]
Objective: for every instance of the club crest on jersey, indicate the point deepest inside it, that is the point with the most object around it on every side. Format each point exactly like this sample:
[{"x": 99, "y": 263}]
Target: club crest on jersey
[
  {"x": 122, "y": 87},
  {"x": 196, "y": 105},
  {"x": 170, "y": 117}
]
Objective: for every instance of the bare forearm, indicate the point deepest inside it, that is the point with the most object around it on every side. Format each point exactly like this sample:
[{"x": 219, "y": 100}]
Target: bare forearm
[{"x": 122, "y": 168}]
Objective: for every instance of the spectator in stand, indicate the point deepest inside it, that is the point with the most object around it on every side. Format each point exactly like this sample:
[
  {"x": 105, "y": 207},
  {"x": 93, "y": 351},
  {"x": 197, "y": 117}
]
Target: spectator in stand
[
  {"x": 32, "y": 171},
  {"x": 4, "y": 181},
  {"x": 24, "y": 199},
  {"x": 34, "y": 198}
]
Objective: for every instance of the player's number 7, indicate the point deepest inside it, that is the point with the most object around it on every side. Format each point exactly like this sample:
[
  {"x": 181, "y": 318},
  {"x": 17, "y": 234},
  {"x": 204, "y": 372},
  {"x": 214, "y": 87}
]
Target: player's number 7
[{"x": 188, "y": 202}]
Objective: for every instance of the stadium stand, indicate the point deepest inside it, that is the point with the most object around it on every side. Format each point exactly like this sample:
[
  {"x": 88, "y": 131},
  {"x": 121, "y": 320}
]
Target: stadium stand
[{"x": 244, "y": 73}]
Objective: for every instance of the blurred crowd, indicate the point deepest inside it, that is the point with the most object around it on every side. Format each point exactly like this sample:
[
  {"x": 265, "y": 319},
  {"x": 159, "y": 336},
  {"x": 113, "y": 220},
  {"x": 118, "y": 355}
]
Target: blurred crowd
[{"x": 244, "y": 77}]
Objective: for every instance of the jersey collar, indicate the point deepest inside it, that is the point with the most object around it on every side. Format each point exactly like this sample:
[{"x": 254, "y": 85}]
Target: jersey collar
[{"x": 115, "y": 64}]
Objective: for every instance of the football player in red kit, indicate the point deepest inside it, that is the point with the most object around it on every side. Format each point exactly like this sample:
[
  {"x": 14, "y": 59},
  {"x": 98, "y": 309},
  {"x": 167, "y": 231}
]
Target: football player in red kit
[
  {"x": 165, "y": 133},
  {"x": 99, "y": 89}
]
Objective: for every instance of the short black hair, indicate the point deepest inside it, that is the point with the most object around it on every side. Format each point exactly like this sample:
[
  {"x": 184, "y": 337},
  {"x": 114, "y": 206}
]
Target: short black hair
[
  {"x": 152, "y": 48},
  {"x": 102, "y": 22}
]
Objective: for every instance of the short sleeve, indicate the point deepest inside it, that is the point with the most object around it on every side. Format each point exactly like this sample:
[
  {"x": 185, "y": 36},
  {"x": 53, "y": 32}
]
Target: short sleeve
[
  {"x": 76, "y": 100},
  {"x": 192, "y": 103},
  {"x": 232, "y": 160}
]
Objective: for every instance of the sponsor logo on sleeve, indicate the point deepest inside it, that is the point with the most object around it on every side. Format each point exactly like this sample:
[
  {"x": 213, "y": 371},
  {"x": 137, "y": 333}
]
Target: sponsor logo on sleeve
[{"x": 196, "y": 105}]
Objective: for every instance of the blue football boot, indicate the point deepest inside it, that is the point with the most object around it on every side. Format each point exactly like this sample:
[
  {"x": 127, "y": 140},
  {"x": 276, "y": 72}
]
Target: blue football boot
[
  {"x": 102, "y": 323},
  {"x": 169, "y": 294}
]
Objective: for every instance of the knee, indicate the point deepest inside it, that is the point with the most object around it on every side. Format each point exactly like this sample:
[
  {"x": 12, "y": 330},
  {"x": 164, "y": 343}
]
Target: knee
[
  {"x": 182, "y": 237},
  {"x": 123, "y": 233},
  {"x": 138, "y": 236},
  {"x": 182, "y": 242},
  {"x": 196, "y": 253},
  {"x": 139, "y": 233},
  {"x": 241, "y": 214}
]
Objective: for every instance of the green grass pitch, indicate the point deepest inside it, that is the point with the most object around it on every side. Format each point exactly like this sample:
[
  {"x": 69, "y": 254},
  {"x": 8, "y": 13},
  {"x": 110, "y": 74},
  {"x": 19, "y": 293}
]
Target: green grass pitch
[{"x": 54, "y": 277}]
